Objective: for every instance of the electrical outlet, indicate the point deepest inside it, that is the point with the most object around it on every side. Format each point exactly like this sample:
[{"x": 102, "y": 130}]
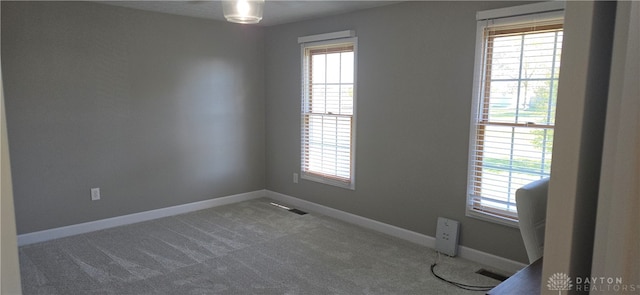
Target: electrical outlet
[
  {"x": 295, "y": 177},
  {"x": 95, "y": 194},
  {"x": 447, "y": 236}
]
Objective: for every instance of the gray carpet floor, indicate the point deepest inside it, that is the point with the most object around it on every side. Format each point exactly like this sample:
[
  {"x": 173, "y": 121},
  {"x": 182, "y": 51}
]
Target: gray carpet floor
[{"x": 245, "y": 248}]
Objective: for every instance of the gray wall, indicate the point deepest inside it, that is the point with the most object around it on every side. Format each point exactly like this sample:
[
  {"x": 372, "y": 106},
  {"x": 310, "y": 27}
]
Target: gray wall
[
  {"x": 161, "y": 110},
  {"x": 415, "y": 74},
  {"x": 156, "y": 110}
]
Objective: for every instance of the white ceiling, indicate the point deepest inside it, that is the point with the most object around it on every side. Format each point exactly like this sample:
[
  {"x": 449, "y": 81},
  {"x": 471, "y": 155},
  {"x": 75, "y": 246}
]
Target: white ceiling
[{"x": 275, "y": 12}]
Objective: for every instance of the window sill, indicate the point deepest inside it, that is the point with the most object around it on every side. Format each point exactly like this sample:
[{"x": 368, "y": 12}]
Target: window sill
[
  {"x": 491, "y": 218},
  {"x": 328, "y": 181}
]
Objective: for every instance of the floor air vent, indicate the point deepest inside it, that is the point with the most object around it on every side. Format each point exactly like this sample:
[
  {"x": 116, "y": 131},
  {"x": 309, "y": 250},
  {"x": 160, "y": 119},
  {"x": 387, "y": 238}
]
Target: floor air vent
[
  {"x": 294, "y": 210},
  {"x": 491, "y": 274}
]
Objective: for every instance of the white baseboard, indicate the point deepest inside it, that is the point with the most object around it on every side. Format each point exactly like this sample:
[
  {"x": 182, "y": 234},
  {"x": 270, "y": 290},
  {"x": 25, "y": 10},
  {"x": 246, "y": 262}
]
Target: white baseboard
[
  {"x": 497, "y": 262},
  {"x": 65, "y": 231},
  {"x": 500, "y": 263},
  {"x": 355, "y": 219}
]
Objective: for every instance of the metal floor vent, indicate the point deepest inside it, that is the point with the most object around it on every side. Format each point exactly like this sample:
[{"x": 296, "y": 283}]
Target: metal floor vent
[
  {"x": 294, "y": 210},
  {"x": 491, "y": 274}
]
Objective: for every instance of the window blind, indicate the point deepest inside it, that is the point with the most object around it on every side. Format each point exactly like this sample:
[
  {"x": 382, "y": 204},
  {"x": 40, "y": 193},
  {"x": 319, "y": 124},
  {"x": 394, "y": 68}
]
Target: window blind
[
  {"x": 515, "y": 113},
  {"x": 328, "y": 112}
]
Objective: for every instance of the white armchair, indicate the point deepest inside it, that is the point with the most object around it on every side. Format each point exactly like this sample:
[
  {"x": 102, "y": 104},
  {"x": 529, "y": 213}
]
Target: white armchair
[{"x": 531, "y": 201}]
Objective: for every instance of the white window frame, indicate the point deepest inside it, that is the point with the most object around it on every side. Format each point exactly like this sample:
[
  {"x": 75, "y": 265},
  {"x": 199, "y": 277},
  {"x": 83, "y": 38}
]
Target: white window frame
[
  {"x": 333, "y": 38},
  {"x": 504, "y": 16}
]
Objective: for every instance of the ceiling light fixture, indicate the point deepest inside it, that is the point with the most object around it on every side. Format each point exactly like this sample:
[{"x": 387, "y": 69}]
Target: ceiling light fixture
[{"x": 243, "y": 11}]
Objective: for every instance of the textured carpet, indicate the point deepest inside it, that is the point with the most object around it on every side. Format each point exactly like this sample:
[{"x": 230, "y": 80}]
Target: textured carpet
[{"x": 245, "y": 248}]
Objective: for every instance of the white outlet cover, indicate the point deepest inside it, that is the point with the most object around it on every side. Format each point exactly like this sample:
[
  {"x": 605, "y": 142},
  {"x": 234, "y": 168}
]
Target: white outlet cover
[
  {"x": 95, "y": 194},
  {"x": 447, "y": 236}
]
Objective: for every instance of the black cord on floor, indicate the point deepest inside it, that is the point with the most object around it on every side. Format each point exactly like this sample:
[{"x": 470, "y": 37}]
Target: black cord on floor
[{"x": 460, "y": 285}]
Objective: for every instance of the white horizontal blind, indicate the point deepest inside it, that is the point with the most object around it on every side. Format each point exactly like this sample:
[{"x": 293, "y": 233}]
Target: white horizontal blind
[
  {"x": 515, "y": 116},
  {"x": 328, "y": 112}
]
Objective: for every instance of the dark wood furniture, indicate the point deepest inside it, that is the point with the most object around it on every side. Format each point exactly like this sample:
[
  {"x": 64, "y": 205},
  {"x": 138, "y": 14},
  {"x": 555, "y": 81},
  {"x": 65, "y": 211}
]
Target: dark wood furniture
[{"x": 524, "y": 282}]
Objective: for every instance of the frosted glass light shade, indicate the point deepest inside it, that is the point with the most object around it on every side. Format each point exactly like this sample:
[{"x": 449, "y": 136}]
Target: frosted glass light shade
[{"x": 243, "y": 11}]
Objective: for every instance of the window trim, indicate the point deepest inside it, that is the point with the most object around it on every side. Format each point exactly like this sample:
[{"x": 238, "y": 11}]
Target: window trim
[
  {"x": 545, "y": 11},
  {"x": 334, "y": 38}
]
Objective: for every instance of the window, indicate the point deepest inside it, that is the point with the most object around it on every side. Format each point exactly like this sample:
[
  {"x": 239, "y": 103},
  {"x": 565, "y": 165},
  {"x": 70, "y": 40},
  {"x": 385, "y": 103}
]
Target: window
[
  {"x": 328, "y": 111},
  {"x": 514, "y": 111}
]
